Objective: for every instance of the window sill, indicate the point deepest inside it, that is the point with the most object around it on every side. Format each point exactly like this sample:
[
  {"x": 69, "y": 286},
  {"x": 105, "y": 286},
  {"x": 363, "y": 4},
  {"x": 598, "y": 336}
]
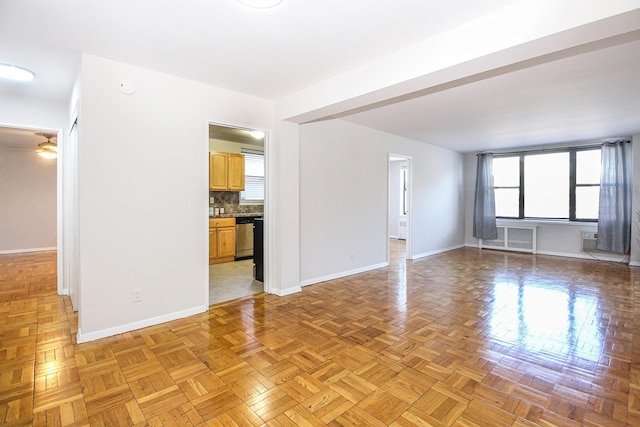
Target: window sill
[{"x": 532, "y": 222}]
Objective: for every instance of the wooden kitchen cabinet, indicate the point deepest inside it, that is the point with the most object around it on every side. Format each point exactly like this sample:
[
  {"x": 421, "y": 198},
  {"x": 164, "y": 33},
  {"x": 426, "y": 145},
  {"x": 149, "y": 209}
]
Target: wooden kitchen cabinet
[
  {"x": 235, "y": 166},
  {"x": 222, "y": 240},
  {"x": 226, "y": 171}
]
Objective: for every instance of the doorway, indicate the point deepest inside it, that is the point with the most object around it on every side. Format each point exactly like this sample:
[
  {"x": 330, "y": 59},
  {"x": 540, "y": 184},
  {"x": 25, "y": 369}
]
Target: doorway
[
  {"x": 399, "y": 208},
  {"x": 234, "y": 211}
]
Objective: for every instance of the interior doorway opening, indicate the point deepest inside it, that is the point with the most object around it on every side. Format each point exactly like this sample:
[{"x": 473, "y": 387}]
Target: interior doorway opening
[
  {"x": 399, "y": 207},
  {"x": 236, "y": 212}
]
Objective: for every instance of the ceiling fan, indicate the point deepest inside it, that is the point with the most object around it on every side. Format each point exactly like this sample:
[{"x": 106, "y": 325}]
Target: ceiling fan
[
  {"x": 23, "y": 141},
  {"x": 48, "y": 149}
]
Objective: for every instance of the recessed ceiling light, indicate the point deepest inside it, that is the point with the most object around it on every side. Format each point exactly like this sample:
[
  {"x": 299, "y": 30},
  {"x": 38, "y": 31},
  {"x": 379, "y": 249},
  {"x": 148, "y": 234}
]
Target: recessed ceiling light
[
  {"x": 14, "y": 72},
  {"x": 257, "y": 134},
  {"x": 260, "y": 4}
]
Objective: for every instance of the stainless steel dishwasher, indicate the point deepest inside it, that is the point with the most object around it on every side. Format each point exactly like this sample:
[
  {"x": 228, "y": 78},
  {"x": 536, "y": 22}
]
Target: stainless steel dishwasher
[{"x": 244, "y": 238}]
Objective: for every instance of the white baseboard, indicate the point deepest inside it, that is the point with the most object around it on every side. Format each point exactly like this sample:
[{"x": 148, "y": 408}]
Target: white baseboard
[
  {"x": 91, "y": 336},
  {"x": 285, "y": 292},
  {"x": 598, "y": 257},
  {"x": 634, "y": 263},
  {"x": 438, "y": 251},
  {"x": 19, "y": 251},
  {"x": 343, "y": 274}
]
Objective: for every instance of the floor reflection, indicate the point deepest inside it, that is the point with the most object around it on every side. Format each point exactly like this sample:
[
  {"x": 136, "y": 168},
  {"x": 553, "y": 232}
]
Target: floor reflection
[
  {"x": 398, "y": 271},
  {"x": 543, "y": 317}
]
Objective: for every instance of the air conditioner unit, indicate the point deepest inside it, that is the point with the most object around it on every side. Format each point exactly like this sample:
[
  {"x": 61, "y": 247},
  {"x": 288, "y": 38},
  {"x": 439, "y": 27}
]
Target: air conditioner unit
[{"x": 589, "y": 239}]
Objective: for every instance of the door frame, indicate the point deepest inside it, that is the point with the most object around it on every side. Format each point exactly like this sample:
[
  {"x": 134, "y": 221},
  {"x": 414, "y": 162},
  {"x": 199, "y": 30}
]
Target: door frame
[
  {"x": 266, "y": 238},
  {"x": 399, "y": 157}
]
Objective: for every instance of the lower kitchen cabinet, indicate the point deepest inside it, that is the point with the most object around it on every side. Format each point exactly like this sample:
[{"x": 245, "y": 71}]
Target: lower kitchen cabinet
[{"x": 222, "y": 240}]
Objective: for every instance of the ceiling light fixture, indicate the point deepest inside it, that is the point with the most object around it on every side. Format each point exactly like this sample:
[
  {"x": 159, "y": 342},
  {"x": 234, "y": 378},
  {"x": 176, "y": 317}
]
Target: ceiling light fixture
[
  {"x": 260, "y": 4},
  {"x": 47, "y": 150},
  {"x": 14, "y": 72}
]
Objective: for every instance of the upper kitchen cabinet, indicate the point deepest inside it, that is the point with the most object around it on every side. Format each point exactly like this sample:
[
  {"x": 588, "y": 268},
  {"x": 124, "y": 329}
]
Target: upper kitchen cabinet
[
  {"x": 226, "y": 171},
  {"x": 235, "y": 166}
]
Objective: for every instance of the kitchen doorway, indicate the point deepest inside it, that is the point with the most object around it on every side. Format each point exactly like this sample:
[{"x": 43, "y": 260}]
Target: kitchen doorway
[
  {"x": 236, "y": 212},
  {"x": 399, "y": 207}
]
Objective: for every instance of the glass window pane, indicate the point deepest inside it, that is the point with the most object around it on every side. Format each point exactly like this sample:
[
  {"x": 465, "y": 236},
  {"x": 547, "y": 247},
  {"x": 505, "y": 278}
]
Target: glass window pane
[
  {"x": 546, "y": 185},
  {"x": 253, "y": 178},
  {"x": 507, "y": 202},
  {"x": 587, "y": 202},
  {"x": 506, "y": 172},
  {"x": 588, "y": 167}
]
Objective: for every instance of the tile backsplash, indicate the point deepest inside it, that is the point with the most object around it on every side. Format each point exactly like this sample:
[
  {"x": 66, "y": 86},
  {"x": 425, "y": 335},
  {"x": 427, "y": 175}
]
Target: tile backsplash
[{"x": 230, "y": 201}]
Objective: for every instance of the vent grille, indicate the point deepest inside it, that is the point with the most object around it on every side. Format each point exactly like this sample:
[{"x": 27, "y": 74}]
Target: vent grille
[{"x": 512, "y": 238}]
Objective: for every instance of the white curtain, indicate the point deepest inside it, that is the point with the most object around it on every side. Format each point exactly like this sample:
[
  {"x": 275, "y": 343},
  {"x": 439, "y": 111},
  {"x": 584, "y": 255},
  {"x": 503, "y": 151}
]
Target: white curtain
[
  {"x": 614, "y": 216},
  {"x": 484, "y": 211}
]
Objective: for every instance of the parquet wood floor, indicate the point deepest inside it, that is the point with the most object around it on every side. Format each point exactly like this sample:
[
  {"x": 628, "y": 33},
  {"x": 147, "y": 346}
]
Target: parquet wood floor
[{"x": 464, "y": 338}]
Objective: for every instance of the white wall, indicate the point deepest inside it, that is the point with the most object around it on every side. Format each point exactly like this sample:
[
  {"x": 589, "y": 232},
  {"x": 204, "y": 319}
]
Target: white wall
[
  {"x": 28, "y": 200},
  {"x": 32, "y": 113},
  {"x": 343, "y": 198},
  {"x": 231, "y": 146},
  {"x": 143, "y": 193}
]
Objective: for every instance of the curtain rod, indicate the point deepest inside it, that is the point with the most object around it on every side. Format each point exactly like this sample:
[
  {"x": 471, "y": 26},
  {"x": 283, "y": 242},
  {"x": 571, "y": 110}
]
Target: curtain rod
[{"x": 551, "y": 150}]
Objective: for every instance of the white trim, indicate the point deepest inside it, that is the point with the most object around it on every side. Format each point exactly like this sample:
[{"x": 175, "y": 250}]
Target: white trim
[
  {"x": 19, "y": 251},
  {"x": 634, "y": 263},
  {"x": 288, "y": 291},
  {"x": 436, "y": 252},
  {"x": 343, "y": 274},
  {"x": 600, "y": 256},
  {"x": 81, "y": 338},
  {"x": 533, "y": 222},
  {"x": 60, "y": 214}
]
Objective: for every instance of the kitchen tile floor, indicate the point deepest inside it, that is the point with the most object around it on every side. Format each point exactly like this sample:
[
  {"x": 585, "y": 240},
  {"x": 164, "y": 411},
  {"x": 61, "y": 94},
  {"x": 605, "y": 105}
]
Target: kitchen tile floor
[{"x": 232, "y": 280}]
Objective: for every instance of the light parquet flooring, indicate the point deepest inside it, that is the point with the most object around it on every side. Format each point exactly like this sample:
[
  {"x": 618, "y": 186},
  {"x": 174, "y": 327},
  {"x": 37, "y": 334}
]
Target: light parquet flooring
[{"x": 464, "y": 338}]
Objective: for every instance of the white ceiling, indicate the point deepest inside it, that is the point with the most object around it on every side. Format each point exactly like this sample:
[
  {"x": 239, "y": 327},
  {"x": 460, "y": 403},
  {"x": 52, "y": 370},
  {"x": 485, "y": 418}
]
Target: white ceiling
[
  {"x": 276, "y": 52},
  {"x": 585, "y": 97}
]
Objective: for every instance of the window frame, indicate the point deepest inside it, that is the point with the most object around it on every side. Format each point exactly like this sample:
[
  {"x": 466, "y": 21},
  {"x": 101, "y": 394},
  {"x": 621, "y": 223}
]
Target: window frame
[
  {"x": 243, "y": 201},
  {"x": 572, "y": 182}
]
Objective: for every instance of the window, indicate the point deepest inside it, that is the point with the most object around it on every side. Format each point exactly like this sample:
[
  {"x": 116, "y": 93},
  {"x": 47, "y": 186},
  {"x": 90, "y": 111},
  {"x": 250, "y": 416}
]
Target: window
[
  {"x": 546, "y": 185},
  {"x": 561, "y": 184},
  {"x": 253, "y": 178},
  {"x": 506, "y": 181},
  {"x": 403, "y": 190}
]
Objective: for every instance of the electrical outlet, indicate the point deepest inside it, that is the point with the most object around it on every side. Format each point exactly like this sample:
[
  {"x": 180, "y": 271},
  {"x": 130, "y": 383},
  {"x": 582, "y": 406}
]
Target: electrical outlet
[
  {"x": 211, "y": 200},
  {"x": 137, "y": 295}
]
